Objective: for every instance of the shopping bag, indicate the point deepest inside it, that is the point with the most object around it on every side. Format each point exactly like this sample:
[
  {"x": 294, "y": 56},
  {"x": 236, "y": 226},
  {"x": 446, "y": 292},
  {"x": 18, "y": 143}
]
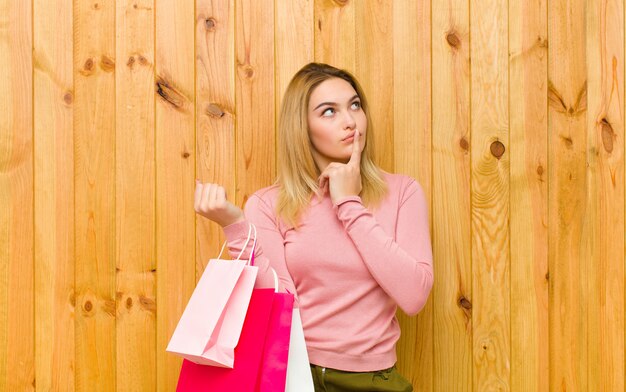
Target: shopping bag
[
  {"x": 299, "y": 378},
  {"x": 210, "y": 327},
  {"x": 261, "y": 355}
]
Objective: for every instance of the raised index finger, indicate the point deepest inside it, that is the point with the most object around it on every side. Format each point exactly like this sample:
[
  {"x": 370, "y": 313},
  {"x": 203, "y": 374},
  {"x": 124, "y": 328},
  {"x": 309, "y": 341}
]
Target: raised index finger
[{"x": 355, "y": 159}]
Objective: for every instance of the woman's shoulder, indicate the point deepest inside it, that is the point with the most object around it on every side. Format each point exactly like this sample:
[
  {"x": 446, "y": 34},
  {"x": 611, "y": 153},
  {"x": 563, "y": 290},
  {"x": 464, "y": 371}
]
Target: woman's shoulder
[
  {"x": 399, "y": 181},
  {"x": 267, "y": 195}
]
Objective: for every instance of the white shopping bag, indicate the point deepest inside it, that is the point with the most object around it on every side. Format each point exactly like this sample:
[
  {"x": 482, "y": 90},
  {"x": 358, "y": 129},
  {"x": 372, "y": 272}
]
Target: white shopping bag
[{"x": 299, "y": 378}]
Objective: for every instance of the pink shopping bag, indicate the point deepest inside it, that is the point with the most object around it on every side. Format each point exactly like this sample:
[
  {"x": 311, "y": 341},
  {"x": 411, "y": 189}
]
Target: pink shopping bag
[
  {"x": 261, "y": 355},
  {"x": 211, "y": 324}
]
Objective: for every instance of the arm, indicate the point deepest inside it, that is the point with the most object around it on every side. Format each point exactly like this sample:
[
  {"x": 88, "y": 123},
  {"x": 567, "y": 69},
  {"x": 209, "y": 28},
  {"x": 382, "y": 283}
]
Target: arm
[
  {"x": 403, "y": 268},
  {"x": 270, "y": 250}
]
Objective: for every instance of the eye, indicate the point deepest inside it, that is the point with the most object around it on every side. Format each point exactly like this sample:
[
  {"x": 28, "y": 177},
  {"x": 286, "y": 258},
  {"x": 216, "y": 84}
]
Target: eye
[
  {"x": 356, "y": 105},
  {"x": 328, "y": 112}
]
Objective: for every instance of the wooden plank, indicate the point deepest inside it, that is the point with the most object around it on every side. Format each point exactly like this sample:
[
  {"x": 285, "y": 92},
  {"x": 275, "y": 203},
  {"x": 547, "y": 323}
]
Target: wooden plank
[
  {"x": 374, "y": 59},
  {"x": 175, "y": 174},
  {"x": 255, "y": 133},
  {"x": 294, "y": 41},
  {"x": 335, "y": 38},
  {"x": 54, "y": 181},
  {"x": 528, "y": 45},
  {"x": 17, "y": 329},
  {"x": 94, "y": 137},
  {"x": 452, "y": 293},
  {"x": 490, "y": 196},
  {"x": 412, "y": 149},
  {"x": 135, "y": 195},
  {"x": 604, "y": 221},
  {"x": 215, "y": 113},
  {"x": 567, "y": 107}
]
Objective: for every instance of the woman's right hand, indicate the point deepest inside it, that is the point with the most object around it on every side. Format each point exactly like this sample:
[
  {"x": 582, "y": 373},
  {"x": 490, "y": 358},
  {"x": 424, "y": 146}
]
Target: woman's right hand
[{"x": 210, "y": 202}]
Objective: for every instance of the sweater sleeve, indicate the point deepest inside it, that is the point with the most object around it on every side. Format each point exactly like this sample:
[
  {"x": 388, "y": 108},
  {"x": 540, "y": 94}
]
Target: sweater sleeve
[
  {"x": 270, "y": 250},
  {"x": 403, "y": 268}
]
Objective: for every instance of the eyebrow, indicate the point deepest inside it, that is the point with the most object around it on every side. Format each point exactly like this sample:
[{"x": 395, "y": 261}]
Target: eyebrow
[{"x": 333, "y": 103}]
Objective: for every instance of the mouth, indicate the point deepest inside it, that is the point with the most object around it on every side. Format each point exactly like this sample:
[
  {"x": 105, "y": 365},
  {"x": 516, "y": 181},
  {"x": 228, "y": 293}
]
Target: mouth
[{"x": 349, "y": 137}]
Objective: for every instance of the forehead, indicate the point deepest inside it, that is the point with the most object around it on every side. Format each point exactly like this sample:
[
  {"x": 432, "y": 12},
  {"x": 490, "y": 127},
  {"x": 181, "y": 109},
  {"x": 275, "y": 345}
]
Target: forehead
[{"x": 332, "y": 90}]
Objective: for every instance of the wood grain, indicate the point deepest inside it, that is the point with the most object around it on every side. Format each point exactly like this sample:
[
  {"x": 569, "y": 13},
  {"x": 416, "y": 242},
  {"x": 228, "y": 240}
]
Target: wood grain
[
  {"x": 54, "y": 181},
  {"x": 452, "y": 291},
  {"x": 255, "y": 98},
  {"x": 528, "y": 45},
  {"x": 94, "y": 182},
  {"x": 604, "y": 221},
  {"x": 174, "y": 89},
  {"x": 135, "y": 195},
  {"x": 294, "y": 40},
  {"x": 567, "y": 108},
  {"x": 17, "y": 323},
  {"x": 215, "y": 113},
  {"x": 412, "y": 151},
  {"x": 491, "y": 318},
  {"x": 335, "y": 34},
  {"x": 374, "y": 70}
]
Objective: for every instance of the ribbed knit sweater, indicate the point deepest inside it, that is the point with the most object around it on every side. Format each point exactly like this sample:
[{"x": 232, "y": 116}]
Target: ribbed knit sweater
[{"x": 349, "y": 268}]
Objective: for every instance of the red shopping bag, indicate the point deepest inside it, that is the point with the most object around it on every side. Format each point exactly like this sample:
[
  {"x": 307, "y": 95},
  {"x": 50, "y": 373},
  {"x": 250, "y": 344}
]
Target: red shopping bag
[{"x": 261, "y": 355}]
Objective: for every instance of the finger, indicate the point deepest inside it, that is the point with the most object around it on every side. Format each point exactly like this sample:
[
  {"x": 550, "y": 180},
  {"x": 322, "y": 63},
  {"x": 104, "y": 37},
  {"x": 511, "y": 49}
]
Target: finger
[
  {"x": 355, "y": 159},
  {"x": 212, "y": 193},
  {"x": 198, "y": 195},
  {"x": 204, "y": 200},
  {"x": 220, "y": 195}
]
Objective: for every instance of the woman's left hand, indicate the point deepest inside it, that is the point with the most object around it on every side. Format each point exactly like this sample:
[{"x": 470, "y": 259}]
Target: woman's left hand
[{"x": 344, "y": 179}]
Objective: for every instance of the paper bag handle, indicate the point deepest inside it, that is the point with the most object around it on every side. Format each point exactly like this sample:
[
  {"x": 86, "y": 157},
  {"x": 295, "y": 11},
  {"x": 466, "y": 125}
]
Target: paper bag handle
[{"x": 251, "y": 260}]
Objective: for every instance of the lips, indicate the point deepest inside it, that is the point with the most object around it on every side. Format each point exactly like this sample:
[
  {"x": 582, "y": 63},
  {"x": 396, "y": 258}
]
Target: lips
[{"x": 351, "y": 134}]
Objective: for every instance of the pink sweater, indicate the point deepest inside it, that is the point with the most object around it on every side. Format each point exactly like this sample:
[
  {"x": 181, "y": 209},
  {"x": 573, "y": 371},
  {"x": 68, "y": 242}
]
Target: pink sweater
[{"x": 349, "y": 268}]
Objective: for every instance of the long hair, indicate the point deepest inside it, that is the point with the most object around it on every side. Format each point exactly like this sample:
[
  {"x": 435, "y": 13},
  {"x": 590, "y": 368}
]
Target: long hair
[{"x": 297, "y": 171}]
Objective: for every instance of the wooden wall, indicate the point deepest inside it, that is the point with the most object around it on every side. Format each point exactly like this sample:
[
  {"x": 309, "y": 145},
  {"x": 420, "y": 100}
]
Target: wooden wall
[{"x": 510, "y": 114}]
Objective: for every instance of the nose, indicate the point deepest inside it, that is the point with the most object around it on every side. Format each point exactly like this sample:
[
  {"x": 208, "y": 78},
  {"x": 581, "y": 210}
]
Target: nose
[{"x": 349, "y": 121}]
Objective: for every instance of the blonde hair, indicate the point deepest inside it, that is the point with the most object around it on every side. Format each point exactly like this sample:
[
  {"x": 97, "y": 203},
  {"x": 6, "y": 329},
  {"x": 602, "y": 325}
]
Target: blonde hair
[{"x": 297, "y": 171}]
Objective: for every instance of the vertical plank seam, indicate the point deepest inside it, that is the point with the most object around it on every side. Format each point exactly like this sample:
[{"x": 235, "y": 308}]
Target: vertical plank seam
[
  {"x": 74, "y": 188},
  {"x": 432, "y": 231},
  {"x": 509, "y": 146},
  {"x": 548, "y": 149},
  {"x": 471, "y": 171},
  {"x": 33, "y": 242},
  {"x": 155, "y": 281}
]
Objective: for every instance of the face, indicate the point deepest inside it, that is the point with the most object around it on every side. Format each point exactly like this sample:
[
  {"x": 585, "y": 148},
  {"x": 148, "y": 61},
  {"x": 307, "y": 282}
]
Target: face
[{"x": 334, "y": 114}]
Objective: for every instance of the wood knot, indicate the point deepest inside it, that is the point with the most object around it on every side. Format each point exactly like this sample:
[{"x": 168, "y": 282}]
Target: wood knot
[
  {"x": 88, "y": 66},
  {"x": 96, "y": 6},
  {"x": 540, "y": 170},
  {"x": 497, "y": 149},
  {"x": 464, "y": 144},
  {"x": 569, "y": 143},
  {"x": 135, "y": 6},
  {"x": 248, "y": 71},
  {"x": 548, "y": 275},
  {"x": 209, "y": 24},
  {"x": 131, "y": 61},
  {"x": 542, "y": 42},
  {"x": 107, "y": 64},
  {"x": 341, "y": 3},
  {"x": 168, "y": 93},
  {"x": 129, "y": 303},
  {"x": 607, "y": 135},
  {"x": 185, "y": 155},
  {"x": 465, "y": 303},
  {"x": 88, "y": 306},
  {"x": 142, "y": 60},
  {"x": 214, "y": 110},
  {"x": 453, "y": 39},
  {"x": 147, "y": 303},
  {"x": 68, "y": 97}
]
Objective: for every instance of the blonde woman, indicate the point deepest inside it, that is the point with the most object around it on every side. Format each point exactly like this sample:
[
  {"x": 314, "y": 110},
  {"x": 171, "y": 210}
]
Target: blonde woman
[{"x": 349, "y": 240}]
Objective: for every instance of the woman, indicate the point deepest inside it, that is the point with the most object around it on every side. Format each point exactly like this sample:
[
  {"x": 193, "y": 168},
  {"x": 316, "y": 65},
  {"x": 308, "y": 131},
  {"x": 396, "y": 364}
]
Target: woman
[{"x": 349, "y": 240}]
